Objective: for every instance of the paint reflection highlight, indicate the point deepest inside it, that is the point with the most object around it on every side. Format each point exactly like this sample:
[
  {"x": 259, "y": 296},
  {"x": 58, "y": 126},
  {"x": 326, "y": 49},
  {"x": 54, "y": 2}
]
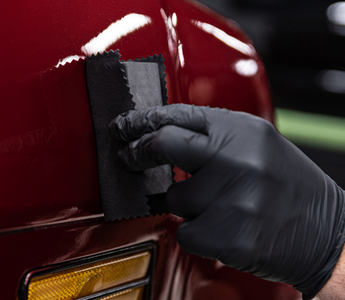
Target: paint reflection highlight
[
  {"x": 69, "y": 59},
  {"x": 174, "y": 43},
  {"x": 171, "y": 32},
  {"x": 180, "y": 55},
  {"x": 174, "y": 19},
  {"x": 114, "y": 32},
  {"x": 246, "y": 67},
  {"x": 225, "y": 38}
]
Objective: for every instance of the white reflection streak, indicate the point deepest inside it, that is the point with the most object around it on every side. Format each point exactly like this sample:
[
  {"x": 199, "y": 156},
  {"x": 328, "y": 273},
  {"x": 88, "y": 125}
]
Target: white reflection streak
[
  {"x": 336, "y": 13},
  {"x": 114, "y": 32},
  {"x": 171, "y": 33},
  {"x": 174, "y": 19},
  {"x": 68, "y": 59},
  {"x": 246, "y": 67},
  {"x": 225, "y": 38},
  {"x": 180, "y": 55}
]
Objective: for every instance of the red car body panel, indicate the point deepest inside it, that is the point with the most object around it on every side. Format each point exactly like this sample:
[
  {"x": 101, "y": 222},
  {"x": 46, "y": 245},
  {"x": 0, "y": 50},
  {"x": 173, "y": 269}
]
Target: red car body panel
[{"x": 50, "y": 209}]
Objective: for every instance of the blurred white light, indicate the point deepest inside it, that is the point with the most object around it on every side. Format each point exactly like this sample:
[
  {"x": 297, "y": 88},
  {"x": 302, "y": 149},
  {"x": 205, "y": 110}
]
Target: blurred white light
[
  {"x": 336, "y": 13},
  {"x": 246, "y": 67},
  {"x": 174, "y": 19},
  {"x": 225, "y": 38},
  {"x": 114, "y": 32},
  {"x": 332, "y": 81}
]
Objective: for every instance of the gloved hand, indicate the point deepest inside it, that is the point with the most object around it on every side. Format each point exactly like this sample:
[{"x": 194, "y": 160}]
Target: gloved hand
[{"x": 254, "y": 201}]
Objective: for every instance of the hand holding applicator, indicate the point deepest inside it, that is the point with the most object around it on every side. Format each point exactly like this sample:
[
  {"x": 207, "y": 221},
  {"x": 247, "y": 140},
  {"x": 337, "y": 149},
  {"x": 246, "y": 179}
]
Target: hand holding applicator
[{"x": 254, "y": 201}]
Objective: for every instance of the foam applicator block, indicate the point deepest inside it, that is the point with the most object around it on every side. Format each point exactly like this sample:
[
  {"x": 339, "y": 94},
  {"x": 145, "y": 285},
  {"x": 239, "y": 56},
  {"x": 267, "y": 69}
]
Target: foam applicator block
[
  {"x": 123, "y": 193},
  {"x": 145, "y": 86},
  {"x": 146, "y": 79}
]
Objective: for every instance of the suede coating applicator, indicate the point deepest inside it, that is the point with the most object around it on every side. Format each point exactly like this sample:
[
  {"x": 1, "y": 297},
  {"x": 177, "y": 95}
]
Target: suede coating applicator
[{"x": 115, "y": 87}]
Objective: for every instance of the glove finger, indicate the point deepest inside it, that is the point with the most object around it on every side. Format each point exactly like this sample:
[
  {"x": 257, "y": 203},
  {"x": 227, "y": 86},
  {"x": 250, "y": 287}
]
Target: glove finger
[
  {"x": 193, "y": 237},
  {"x": 133, "y": 124},
  {"x": 189, "y": 198},
  {"x": 181, "y": 147},
  {"x": 187, "y": 235},
  {"x": 208, "y": 234}
]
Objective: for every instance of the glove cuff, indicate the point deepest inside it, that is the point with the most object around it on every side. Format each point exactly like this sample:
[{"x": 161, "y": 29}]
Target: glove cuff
[
  {"x": 316, "y": 282},
  {"x": 314, "y": 285}
]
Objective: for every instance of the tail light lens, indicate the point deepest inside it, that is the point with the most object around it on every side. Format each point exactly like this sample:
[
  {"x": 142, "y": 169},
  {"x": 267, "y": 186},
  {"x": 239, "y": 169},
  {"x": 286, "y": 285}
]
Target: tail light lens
[{"x": 121, "y": 277}]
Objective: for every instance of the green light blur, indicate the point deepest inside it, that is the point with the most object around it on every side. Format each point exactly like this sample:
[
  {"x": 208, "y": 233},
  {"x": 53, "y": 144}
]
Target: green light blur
[{"x": 313, "y": 130}]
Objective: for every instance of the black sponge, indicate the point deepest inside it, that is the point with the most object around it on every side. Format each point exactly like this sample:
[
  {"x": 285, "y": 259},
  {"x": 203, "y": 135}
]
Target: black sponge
[{"x": 109, "y": 82}]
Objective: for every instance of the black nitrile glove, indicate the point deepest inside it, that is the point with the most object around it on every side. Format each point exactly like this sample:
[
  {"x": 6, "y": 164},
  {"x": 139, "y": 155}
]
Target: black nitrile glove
[{"x": 254, "y": 201}]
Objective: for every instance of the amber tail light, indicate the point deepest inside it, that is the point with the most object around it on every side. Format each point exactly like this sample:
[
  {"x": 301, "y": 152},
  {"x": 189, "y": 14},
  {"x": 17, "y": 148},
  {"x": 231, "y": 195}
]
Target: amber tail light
[{"x": 121, "y": 275}]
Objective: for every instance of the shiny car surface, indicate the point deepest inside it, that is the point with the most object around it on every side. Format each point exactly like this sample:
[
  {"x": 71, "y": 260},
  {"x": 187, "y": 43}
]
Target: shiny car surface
[{"x": 50, "y": 208}]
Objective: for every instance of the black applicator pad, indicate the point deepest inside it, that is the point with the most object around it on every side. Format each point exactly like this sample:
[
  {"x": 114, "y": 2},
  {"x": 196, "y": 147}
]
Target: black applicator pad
[{"x": 123, "y": 193}]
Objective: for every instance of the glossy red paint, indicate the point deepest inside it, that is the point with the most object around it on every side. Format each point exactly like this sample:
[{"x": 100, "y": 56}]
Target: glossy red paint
[{"x": 50, "y": 208}]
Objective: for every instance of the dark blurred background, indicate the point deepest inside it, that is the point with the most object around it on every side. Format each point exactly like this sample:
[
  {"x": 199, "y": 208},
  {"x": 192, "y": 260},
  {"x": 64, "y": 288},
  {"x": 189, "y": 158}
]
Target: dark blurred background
[{"x": 302, "y": 44}]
